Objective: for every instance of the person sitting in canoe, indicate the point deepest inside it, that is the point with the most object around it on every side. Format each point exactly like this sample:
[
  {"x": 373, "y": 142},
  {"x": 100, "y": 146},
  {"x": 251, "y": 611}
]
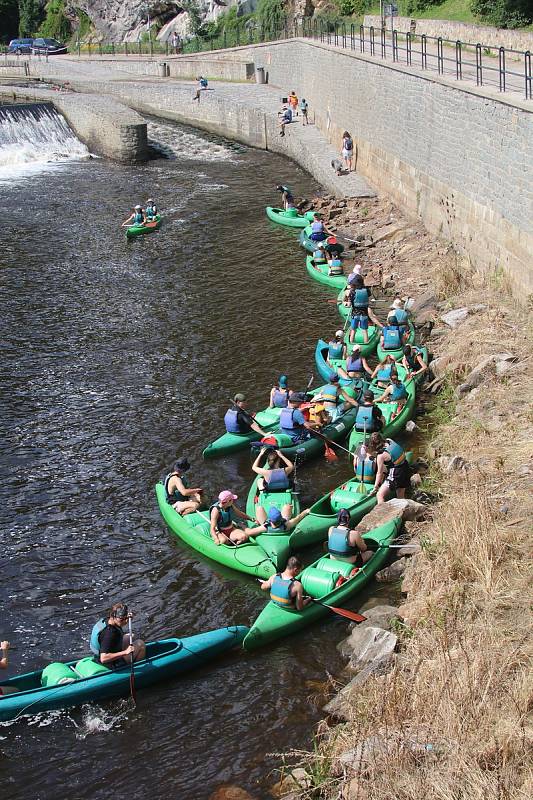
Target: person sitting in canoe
[
  {"x": 180, "y": 497},
  {"x": 345, "y": 543},
  {"x": 318, "y": 416},
  {"x": 285, "y": 590},
  {"x": 319, "y": 253},
  {"x": 394, "y": 393},
  {"x": 137, "y": 218},
  {"x": 397, "y": 310},
  {"x": 332, "y": 395},
  {"x": 276, "y": 476},
  {"x": 393, "y": 335},
  {"x": 383, "y": 371},
  {"x": 319, "y": 232},
  {"x": 391, "y": 457},
  {"x": 292, "y": 421},
  {"x": 335, "y": 265},
  {"x": 361, "y": 313},
  {"x": 336, "y": 347},
  {"x": 365, "y": 465},
  {"x": 150, "y": 211},
  {"x": 413, "y": 361},
  {"x": 238, "y": 420},
  {"x": 111, "y": 646},
  {"x": 278, "y": 521},
  {"x": 279, "y": 394},
  {"x": 356, "y": 365},
  {"x": 286, "y": 197},
  {"x": 369, "y": 417},
  {"x": 4, "y": 663},
  {"x": 222, "y": 514}
]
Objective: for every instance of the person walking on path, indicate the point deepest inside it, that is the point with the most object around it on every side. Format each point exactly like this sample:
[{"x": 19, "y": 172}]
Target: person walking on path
[
  {"x": 175, "y": 41},
  {"x": 347, "y": 150},
  {"x": 293, "y": 102},
  {"x": 304, "y": 109}
]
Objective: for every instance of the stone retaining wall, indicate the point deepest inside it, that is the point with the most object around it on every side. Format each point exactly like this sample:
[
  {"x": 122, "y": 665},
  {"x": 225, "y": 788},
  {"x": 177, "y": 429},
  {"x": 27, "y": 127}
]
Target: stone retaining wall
[
  {"x": 107, "y": 127},
  {"x": 209, "y": 67},
  {"x": 447, "y": 29}
]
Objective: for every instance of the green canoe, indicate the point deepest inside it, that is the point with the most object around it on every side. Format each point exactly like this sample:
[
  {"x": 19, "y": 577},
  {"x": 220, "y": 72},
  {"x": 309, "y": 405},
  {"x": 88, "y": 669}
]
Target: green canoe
[
  {"x": 310, "y": 245},
  {"x": 164, "y": 659},
  {"x": 291, "y": 218},
  {"x": 276, "y": 545},
  {"x": 398, "y": 353},
  {"x": 320, "y": 273},
  {"x": 351, "y": 495},
  {"x": 391, "y": 427},
  {"x": 233, "y": 442},
  {"x": 193, "y": 529},
  {"x": 320, "y": 581},
  {"x": 141, "y": 230}
]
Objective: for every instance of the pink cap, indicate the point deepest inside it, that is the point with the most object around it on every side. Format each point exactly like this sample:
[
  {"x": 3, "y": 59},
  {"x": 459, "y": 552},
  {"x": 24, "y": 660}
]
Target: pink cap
[
  {"x": 357, "y": 269},
  {"x": 225, "y": 496}
]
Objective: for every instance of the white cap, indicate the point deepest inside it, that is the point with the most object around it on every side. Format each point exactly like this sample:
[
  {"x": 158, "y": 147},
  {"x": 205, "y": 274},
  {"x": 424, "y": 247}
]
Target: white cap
[
  {"x": 138, "y": 206},
  {"x": 357, "y": 269},
  {"x": 397, "y": 303},
  {"x": 339, "y": 332}
]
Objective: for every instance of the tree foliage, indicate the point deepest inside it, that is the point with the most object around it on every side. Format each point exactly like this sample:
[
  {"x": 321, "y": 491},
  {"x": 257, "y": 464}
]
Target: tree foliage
[
  {"x": 9, "y": 14},
  {"x": 504, "y": 13},
  {"x": 30, "y": 16},
  {"x": 55, "y": 24},
  {"x": 271, "y": 14}
]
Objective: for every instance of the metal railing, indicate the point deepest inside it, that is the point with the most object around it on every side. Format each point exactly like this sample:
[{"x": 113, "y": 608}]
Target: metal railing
[{"x": 503, "y": 68}]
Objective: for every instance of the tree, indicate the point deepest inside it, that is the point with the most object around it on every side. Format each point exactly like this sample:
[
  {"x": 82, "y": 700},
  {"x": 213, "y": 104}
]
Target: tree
[
  {"x": 30, "y": 16},
  {"x": 504, "y": 13},
  {"x": 271, "y": 14},
  {"x": 9, "y": 14}
]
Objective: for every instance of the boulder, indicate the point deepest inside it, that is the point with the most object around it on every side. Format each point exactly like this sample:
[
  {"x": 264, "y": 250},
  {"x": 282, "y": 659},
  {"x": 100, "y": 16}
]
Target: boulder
[
  {"x": 376, "y": 617},
  {"x": 230, "y": 793},
  {"x": 452, "y": 463},
  {"x": 455, "y": 317},
  {"x": 439, "y": 366},
  {"x": 408, "y": 510},
  {"x": 393, "y": 572},
  {"x": 369, "y": 647},
  {"x": 341, "y": 706}
]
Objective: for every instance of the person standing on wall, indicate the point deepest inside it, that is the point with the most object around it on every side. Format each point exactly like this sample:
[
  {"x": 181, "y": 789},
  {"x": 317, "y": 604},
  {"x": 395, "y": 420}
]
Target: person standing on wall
[
  {"x": 347, "y": 150},
  {"x": 304, "y": 107}
]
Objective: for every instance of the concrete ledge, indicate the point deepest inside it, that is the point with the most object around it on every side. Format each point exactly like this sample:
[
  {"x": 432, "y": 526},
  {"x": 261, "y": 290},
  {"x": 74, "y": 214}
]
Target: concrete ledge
[
  {"x": 107, "y": 127},
  {"x": 218, "y": 68}
]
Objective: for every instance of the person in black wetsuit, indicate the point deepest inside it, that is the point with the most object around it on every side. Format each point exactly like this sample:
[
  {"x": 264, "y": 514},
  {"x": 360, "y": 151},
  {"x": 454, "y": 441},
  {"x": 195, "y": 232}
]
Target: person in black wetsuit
[{"x": 115, "y": 648}]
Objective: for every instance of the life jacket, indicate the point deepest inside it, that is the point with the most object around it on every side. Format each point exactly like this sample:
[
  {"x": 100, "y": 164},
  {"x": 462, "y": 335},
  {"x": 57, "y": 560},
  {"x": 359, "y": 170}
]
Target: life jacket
[
  {"x": 360, "y": 299},
  {"x": 278, "y": 481},
  {"x": 398, "y": 392},
  {"x": 94, "y": 642},
  {"x": 384, "y": 373},
  {"x": 176, "y": 495},
  {"x": 317, "y": 227},
  {"x": 280, "y": 398},
  {"x": 280, "y": 591},
  {"x": 412, "y": 359},
  {"x": 364, "y": 419},
  {"x": 396, "y": 452},
  {"x": 354, "y": 364},
  {"x": 318, "y": 257},
  {"x": 401, "y": 316},
  {"x": 347, "y": 143},
  {"x": 392, "y": 338},
  {"x": 329, "y": 393},
  {"x": 366, "y": 469},
  {"x": 335, "y": 349},
  {"x": 335, "y": 267},
  {"x": 137, "y": 218},
  {"x": 150, "y": 211},
  {"x": 338, "y": 544},
  {"x": 231, "y": 422},
  {"x": 286, "y": 420},
  {"x": 276, "y": 528},
  {"x": 225, "y": 517}
]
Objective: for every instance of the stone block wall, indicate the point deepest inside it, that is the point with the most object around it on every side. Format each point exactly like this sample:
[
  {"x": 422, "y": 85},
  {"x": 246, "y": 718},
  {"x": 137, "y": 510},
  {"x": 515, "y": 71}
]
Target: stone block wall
[{"x": 219, "y": 68}]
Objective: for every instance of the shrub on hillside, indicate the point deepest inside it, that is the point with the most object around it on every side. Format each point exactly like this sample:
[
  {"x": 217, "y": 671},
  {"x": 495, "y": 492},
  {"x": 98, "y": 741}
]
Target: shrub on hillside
[{"x": 504, "y": 13}]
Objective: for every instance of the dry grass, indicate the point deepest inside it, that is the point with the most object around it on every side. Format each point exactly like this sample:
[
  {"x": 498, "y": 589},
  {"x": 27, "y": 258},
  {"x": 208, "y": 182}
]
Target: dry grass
[{"x": 453, "y": 720}]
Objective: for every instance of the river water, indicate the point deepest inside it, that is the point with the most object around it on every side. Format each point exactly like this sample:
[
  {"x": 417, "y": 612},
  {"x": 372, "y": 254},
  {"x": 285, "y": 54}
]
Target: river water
[{"x": 116, "y": 358}]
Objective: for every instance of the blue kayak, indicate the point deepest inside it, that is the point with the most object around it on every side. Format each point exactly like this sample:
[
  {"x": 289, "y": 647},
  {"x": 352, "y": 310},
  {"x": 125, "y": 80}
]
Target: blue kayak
[{"x": 165, "y": 658}]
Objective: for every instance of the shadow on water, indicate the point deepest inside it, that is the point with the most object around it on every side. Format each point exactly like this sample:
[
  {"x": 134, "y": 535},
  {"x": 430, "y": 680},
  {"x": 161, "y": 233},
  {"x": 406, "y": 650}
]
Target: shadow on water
[{"x": 116, "y": 358}]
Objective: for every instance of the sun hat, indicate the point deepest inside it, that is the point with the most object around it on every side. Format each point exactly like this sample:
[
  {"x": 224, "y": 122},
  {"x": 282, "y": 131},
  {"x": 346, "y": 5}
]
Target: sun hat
[
  {"x": 397, "y": 303},
  {"x": 275, "y": 514},
  {"x": 226, "y": 495},
  {"x": 340, "y": 332},
  {"x": 138, "y": 206},
  {"x": 357, "y": 269},
  {"x": 239, "y": 398}
]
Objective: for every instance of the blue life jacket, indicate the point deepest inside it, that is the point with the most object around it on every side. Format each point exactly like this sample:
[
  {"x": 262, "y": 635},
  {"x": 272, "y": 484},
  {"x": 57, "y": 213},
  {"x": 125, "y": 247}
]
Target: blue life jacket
[
  {"x": 398, "y": 392},
  {"x": 280, "y": 591},
  {"x": 176, "y": 494},
  {"x": 94, "y": 642},
  {"x": 280, "y": 398},
  {"x": 286, "y": 421},
  {"x": 364, "y": 419},
  {"x": 276, "y": 528},
  {"x": 412, "y": 361},
  {"x": 360, "y": 299},
  {"x": 278, "y": 481},
  {"x": 225, "y": 517},
  {"x": 354, "y": 364},
  {"x": 319, "y": 257},
  {"x": 335, "y": 266},
  {"x": 392, "y": 338},
  {"x": 384, "y": 373},
  {"x": 150, "y": 211},
  {"x": 396, "y": 452},
  {"x": 203, "y": 83},
  {"x": 137, "y": 218},
  {"x": 231, "y": 422},
  {"x": 401, "y": 316},
  {"x": 366, "y": 469},
  {"x": 335, "y": 349},
  {"x": 347, "y": 143},
  {"x": 317, "y": 227},
  {"x": 330, "y": 393},
  {"x": 338, "y": 544}
]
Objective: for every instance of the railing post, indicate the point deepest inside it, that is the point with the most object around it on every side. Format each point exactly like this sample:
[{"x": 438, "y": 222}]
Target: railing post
[
  {"x": 112, "y": 48},
  {"x": 395, "y": 45},
  {"x": 321, "y": 31},
  {"x": 166, "y": 47},
  {"x": 315, "y": 29},
  {"x": 362, "y": 38},
  {"x": 440, "y": 56},
  {"x": 238, "y": 34},
  {"x": 383, "y": 34},
  {"x": 501, "y": 68},
  {"x": 527, "y": 74},
  {"x": 151, "y": 46},
  {"x": 89, "y": 47},
  {"x": 336, "y": 33},
  {"x": 479, "y": 66},
  {"x": 458, "y": 60},
  {"x": 372, "y": 42},
  {"x": 424, "y": 51},
  {"x": 79, "y": 47},
  {"x": 343, "y": 32},
  {"x": 352, "y": 36},
  {"x": 140, "y": 46},
  {"x": 408, "y": 48},
  {"x": 225, "y": 39}
]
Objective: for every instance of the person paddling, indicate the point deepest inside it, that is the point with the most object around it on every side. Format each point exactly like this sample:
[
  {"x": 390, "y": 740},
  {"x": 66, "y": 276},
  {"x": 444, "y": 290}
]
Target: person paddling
[
  {"x": 112, "y": 647},
  {"x": 238, "y": 420},
  {"x": 181, "y": 498},
  {"x": 223, "y": 515},
  {"x": 279, "y": 394},
  {"x": 276, "y": 476},
  {"x": 285, "y": 590},
  {"x": 318, "y": 229},
  {"x": 137, "y": 218},
  {"x": 345, "y": 543}
]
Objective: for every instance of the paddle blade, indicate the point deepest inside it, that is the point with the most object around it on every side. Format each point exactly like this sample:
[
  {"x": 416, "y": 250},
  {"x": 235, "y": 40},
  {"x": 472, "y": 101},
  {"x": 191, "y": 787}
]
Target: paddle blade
[
  {"x": 343, "y": 612},
  {"x": 331, "y": 455}
]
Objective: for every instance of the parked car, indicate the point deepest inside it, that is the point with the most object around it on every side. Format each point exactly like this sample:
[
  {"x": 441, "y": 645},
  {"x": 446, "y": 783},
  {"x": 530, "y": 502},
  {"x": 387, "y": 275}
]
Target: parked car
[
  {"x": 20, "y": 46},
  {"x": 50, "y": 46}
]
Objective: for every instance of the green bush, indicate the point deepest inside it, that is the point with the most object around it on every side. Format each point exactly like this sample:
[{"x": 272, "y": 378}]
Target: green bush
[
  {"x": 412, "y": 6},
  {"x": 357, "y": 8},
  {"x": 9, "y": 14},
  {"x": 30, "y": 17},
  {"x": 504, "y": 13},
  {"x": 271, "y": 14},
  {"x": 55, "y": 24}
]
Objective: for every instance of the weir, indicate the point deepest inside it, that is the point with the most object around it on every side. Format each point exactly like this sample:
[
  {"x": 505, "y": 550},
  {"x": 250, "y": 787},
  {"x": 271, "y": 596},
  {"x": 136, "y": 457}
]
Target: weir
[{"x": 34, "y": 133}]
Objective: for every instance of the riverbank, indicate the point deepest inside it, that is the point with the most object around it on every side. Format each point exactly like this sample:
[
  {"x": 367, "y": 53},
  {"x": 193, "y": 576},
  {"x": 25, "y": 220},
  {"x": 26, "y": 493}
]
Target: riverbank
[{"x": 450, "y": 717}]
